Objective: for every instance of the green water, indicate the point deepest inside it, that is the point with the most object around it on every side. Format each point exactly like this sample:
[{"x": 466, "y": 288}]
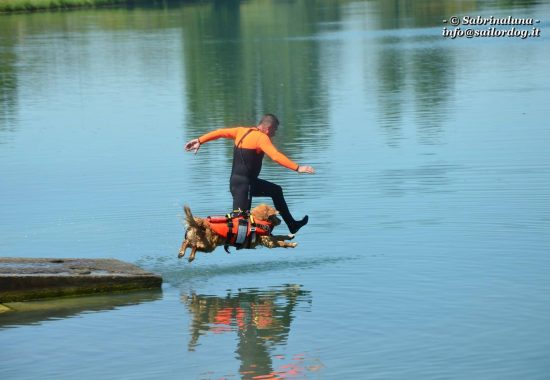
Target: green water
[{"x": 426, "y": 255}]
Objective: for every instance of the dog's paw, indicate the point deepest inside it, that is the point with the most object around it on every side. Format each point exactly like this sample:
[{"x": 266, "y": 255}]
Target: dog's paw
[
  {"x": 190, "y": 259},
  {"x": 291, "y": 236},
  {"x": 292, "y": 245},
  {"x": 181, "y": 254}
]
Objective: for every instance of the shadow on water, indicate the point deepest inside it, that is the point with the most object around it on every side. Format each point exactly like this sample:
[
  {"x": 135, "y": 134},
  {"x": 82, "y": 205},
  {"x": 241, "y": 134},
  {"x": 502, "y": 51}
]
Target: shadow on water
[
  {"x": 261, "y": 319},
  {"x": 34, "y": 312}
]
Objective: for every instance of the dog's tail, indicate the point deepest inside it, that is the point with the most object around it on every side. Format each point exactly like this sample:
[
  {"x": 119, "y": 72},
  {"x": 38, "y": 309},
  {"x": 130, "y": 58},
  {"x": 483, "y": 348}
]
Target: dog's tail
[{"x": 189, "y": 218}]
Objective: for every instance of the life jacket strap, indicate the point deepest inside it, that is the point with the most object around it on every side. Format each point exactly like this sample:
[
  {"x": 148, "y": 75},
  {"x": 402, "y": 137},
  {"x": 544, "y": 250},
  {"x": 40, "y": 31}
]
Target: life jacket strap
[
  {"x": 252, "y": 239},
  {"x": 242, "y": 231},
  {"x": 230, "y": 234},
  {"x": 238, "y": 213}
]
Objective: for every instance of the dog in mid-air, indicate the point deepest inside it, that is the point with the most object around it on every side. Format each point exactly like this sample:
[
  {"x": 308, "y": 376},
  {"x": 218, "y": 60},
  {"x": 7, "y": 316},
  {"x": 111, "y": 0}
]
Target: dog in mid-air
[{"x": 203, "y": 234}]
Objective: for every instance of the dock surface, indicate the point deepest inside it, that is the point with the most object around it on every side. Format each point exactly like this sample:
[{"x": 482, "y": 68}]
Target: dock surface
[{"x": 23, "y": 279}]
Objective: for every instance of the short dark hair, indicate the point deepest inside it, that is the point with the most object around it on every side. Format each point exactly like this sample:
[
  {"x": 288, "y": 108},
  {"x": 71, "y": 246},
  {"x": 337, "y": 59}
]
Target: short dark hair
[{"x": 269, "y": 119}]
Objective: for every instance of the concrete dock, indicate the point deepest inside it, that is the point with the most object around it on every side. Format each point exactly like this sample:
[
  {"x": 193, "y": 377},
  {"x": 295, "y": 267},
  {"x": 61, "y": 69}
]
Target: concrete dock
[{"x": 31, "y": 279}]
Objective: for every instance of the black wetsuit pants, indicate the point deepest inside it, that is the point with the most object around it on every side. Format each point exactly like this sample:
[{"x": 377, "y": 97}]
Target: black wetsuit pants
[{"x": 244, "y": 188}]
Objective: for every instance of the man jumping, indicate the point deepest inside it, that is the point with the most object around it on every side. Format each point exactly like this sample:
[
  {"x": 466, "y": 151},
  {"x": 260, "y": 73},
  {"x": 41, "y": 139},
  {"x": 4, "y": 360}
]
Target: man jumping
[{"x": 250, "y": 145}]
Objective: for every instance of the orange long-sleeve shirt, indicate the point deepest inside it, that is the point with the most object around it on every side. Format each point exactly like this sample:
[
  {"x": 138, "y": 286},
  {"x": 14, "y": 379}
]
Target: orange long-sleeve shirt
[{"x": 255, "y": 140}]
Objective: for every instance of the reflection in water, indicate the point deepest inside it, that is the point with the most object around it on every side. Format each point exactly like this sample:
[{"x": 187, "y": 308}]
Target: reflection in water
[
  {"x": 391, "y": 79},
  {"x": 429, "y": 73},
  {"x": 261, "y": 319},
  {"x": 419, "y": 13},
  {"x": 30, "y": 312},
  {"x": 240, "y": 63},
  {"x": 239, "y": 66},
  {"x": 8, "y": 88},
  {"x": 433, "y": 84}
]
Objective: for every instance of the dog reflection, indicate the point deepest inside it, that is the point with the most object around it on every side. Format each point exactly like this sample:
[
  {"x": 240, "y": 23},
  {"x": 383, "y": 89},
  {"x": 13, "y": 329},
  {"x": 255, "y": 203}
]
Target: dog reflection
[{"x": 260, "y": 318}]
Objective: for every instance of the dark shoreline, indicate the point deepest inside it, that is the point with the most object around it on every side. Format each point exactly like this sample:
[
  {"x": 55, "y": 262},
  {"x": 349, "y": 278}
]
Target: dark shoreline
[{"x": 28, "y": 6}]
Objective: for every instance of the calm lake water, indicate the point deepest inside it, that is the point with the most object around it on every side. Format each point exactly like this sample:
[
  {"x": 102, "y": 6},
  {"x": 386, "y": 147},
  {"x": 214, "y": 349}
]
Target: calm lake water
[{"x": 427, "y": 252}]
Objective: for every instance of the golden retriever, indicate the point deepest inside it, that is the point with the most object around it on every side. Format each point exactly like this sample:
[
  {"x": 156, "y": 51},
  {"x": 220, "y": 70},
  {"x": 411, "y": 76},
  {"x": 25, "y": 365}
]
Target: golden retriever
[{"x": 200, "y": 237}]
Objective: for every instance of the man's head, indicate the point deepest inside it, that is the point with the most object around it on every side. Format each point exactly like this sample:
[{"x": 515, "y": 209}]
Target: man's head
[{"x": 269, "y": 124}]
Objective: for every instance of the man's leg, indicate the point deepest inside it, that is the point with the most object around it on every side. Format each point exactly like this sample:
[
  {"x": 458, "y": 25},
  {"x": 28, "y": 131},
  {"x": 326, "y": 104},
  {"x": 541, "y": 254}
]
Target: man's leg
[
  {"x": 262, "y": 188},
  {"x": 240, "y": 190}
]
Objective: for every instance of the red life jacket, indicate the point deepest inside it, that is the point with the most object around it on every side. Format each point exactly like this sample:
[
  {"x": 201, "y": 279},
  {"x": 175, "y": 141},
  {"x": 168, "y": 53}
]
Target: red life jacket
[{"x": 239, "y": 231}]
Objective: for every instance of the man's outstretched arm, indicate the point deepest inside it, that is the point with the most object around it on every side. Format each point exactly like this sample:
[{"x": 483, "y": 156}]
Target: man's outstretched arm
[
  {"x": 268, "y": 148},
  {"x": 194, "y": 144}
]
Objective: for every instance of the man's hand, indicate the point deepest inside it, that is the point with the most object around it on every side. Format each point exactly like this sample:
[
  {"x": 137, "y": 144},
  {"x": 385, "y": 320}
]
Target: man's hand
[
  {"x": 306, "y": 169},
  {"x": 193, "y": 146}
]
